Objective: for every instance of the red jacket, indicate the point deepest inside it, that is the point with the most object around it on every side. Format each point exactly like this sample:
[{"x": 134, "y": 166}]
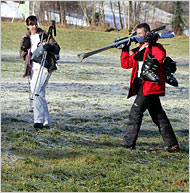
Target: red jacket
[{"x": 147, "y": 87}]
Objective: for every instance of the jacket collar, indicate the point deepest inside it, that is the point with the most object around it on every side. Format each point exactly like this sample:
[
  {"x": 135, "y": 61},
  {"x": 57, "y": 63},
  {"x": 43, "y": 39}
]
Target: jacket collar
[{"x": 39, "y": 31}]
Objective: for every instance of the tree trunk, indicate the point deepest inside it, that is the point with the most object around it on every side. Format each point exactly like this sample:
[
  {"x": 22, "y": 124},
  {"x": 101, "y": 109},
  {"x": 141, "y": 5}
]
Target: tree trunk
[
  {"x": 124, "y": 14},
  {"x": 102, "y": 13},
  {"x": 99, "y": 14},
  {"x": 84, "y": 10},
  {"x": 61, "y": 11},
  {"x": 178, "y": 23},
  {"x": 113, "y": 14},
  {"x": 41, "y": 12},
  {"x": 93, "y": 22},
  {"x": 138, "y": 11},
  {"x": 130, "y": 11},
  {"x": 47, "y": 11},
  {"x": 120, "y": 20},
  {"x": 134, "y": 14},
  {"x": 64, "y": 12}
]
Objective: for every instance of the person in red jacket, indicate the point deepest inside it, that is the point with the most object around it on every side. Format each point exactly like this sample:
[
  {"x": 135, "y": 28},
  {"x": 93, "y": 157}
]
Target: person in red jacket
[{"x": 147, "y": 92}]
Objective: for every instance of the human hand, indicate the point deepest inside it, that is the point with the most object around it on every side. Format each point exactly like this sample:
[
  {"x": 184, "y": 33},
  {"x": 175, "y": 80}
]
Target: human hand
[
  {"x": 126, "y": 46},
  {"x": 119, "y": 46},
  {"x": 47, "y": 47},
  {"x": 25, "y": 43}
]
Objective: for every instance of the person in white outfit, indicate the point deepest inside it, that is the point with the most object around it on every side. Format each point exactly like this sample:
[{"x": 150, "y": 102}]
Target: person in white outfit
[{"x": 39, "y": 76}]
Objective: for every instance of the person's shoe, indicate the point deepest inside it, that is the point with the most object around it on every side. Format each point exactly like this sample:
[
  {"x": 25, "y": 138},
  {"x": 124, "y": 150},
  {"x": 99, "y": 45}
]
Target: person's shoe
[
  {"x": 38, "y": 125},
  {"x": 172, "y": 149},
  {"x": 46, "y": 127},
  {"x": 129, "y": 147}
]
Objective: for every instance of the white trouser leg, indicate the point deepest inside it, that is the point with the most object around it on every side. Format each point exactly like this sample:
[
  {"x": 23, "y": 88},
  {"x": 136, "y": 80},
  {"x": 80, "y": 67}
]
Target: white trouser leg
[
  {"x": 45, "y": 106},
  {"x": 41, "y": 113}
]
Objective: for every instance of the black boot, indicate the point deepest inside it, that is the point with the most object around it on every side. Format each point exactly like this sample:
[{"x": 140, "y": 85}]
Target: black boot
[
  {"x": 170, "y": 79},
  {"x": 148, "y": 70},
  {"x": 170, "y": 67},
  {"x": 38, "y": 125}
]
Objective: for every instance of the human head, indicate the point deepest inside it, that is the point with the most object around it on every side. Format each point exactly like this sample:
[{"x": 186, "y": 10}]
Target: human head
[
  {"x": 31, "y": 23},
  {"x": 31, "y": 20},
  {"x": 142, "y": 29}
]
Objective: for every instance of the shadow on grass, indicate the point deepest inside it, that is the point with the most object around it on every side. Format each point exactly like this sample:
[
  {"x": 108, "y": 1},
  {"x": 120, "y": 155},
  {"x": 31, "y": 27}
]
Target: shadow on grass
[
  {"x": 100, "y": 62},
  {"x": 76, "y": 152},
  {"x": 48, "y": 144},
  {"x": 69, "y": 88},
  {"x": 45, "y": 154},
  {"x": 118, "y": 132},
  {"x": 11, "y": 58}
]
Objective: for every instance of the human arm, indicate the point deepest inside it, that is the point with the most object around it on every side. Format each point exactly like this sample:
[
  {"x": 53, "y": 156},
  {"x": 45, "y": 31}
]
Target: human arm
[
  {"x": 127, "y": 61},
  {"x": 51, "y": 45},
  {"x": 24, "y": 46},
  {"x": 158, "y": 52}
]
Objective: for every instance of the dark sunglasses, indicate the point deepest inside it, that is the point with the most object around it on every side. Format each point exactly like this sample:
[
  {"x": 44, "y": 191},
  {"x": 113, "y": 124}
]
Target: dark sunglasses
[{"x": 32, "y": 24}]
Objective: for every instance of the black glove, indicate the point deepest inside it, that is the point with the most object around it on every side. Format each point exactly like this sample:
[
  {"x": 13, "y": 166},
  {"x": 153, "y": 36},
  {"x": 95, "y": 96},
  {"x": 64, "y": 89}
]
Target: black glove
[
  {"x": 47, "y": 47},
  {"x": 120, "y": 46},
  {"x": 25, "y": 43},
  {"x": 126, "y": 46}
]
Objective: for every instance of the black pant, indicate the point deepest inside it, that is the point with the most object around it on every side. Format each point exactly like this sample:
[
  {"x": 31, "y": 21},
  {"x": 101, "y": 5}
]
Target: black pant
[{"x": 158, "y": 115}]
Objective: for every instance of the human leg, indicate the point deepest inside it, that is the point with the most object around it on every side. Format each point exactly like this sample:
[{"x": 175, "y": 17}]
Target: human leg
[
  {"x": 160, "y": 118},
  {"x": 135, "y": 119},
  {"x": 44, "y": 102},
  {"x": 40, "y": 105}
]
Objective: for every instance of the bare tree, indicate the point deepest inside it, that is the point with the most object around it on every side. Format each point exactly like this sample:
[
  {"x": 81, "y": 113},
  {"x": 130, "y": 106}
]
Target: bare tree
[
  {"x": 102, "y": 13},
  {"x": 93, "y": 18},
  {"x": 41, "y": 12},
  {"x": 46, "y": 10},
  {"x": 124, "y": 14},
  {"x": 137, "y": 12},
  {"x": 60, "y": 3},
  {"x": 130, "y": 11},
  {"x": 64, "y": 12},
  {"x": 113, "y": 14},
  {"x": 99, "y": 16},
  {"x": 178, "y": 23},
  {"x": 83, "y": 6},
  {"x": 120, "y": 20},
  {"x": 134, "y": 12}
]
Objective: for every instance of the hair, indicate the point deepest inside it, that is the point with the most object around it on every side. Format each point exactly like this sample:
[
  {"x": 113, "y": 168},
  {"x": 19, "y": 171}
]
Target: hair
[
  {"x": 31, "y": 20},
  {"x": 145, "y": 26}
]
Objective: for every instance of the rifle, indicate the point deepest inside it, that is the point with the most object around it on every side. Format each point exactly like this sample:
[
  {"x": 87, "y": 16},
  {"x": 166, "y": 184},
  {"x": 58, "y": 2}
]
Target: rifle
[{"x": 126, "y": 40}]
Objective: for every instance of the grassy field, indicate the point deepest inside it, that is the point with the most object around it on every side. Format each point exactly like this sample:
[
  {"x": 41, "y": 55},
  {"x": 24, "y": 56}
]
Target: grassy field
[{"x": 82, "y": 152}]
